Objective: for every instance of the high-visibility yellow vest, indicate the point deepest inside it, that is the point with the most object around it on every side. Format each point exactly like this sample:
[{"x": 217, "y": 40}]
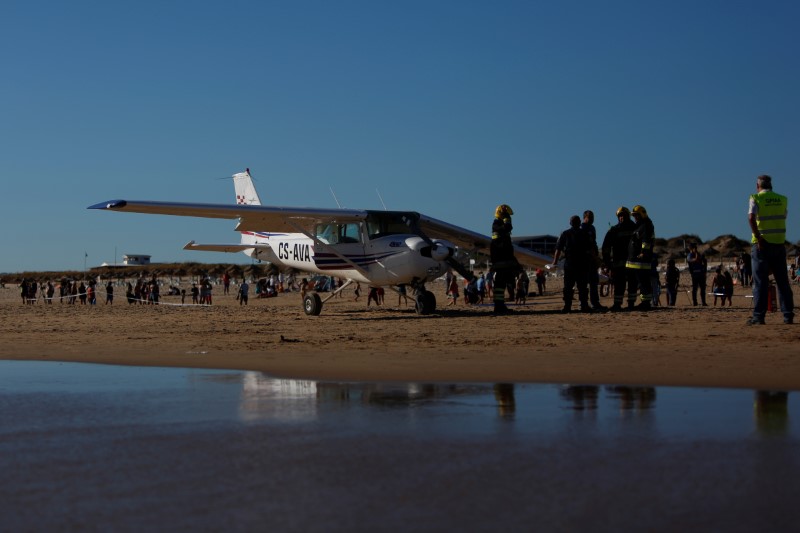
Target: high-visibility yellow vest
[{"x": 771, "y": 216}]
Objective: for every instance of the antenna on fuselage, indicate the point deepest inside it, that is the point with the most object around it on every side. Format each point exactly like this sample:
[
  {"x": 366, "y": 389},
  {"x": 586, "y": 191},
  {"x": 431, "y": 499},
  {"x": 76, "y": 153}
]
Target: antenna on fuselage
[
  {"x": 334, "y": 198},
  {"x": 381, "y": 199}
]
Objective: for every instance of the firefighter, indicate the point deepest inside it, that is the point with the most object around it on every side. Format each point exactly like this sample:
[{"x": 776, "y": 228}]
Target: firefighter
[
  {"x": 501, "y": 255},
  {"x": 640, "y": 255},
  {"x": 615, "y": 256}
]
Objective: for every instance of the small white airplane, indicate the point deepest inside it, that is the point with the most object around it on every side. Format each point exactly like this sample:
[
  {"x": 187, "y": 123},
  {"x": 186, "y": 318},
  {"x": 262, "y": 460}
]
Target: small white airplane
[{"x": 377, "y": 248}]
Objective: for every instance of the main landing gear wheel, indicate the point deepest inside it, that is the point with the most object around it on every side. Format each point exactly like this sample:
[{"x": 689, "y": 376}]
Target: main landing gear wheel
[
  {"x": 425, "y": 303},
  {"x": 312, "y": 304}
]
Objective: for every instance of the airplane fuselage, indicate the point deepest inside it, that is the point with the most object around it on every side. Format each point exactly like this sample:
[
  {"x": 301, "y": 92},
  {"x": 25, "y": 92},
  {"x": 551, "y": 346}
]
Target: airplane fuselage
[{"x": 388, "y": 260}]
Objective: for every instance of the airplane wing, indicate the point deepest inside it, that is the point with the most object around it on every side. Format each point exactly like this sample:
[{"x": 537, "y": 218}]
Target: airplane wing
[
  {"x": 470, "y": 240},
  {"x": 303, "y": 220},
  {"x": 251, "y": 217}
]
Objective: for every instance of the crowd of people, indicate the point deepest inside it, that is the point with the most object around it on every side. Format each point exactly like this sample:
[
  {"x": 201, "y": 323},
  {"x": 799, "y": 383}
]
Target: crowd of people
[{"x": 625, "y": 261}]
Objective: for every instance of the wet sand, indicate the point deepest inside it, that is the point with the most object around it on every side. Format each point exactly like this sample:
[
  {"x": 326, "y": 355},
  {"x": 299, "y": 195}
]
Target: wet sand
[{"x": 684, "y": 345}]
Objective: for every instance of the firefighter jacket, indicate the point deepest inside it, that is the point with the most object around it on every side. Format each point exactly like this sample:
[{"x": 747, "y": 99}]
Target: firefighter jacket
[
  {"x": 501, "y": 249},
  {"x": 640, "y": 249},
  {"x": 770, "y": 216}
]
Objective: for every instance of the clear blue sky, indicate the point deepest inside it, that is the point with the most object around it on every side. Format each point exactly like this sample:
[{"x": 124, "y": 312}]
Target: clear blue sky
[{"x": 445, "y": 107}]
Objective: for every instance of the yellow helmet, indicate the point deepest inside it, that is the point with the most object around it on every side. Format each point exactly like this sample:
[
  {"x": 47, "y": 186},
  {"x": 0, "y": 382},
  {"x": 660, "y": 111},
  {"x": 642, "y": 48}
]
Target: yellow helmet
[
  {"x": 623, "y": 211},
  {"x": 503, "y": 211},
  {"x": 640, "y": 210}
]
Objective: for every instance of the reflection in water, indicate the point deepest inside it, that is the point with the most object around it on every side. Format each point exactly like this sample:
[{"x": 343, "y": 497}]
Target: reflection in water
[
  {"x": 506, "y": 404},
  {"x": 267, "y": 398},
  {"x": 772, "y": 412},
  {"x": 635, "y": 399},
  {"x": 154, "y": 449},
  {"x": 582, "y": 397},
  {"x": 280, "y": 399}
]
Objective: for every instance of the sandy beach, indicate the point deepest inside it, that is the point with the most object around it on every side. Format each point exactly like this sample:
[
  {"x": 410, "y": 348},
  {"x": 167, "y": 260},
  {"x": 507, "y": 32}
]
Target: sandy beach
[{"x": 683, "y": 346}]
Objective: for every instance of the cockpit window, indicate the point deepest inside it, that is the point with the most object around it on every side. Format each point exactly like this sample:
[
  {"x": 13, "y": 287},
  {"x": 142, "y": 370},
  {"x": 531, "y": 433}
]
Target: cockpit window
[
  {"x": 383, "y": 224},
  {"x": 338, "y": 233}
]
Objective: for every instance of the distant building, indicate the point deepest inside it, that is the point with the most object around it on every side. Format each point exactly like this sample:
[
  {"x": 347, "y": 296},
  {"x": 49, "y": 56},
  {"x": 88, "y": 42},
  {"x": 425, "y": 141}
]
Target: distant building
[
  {"x": 129, "y": 260},
  {"x": 138, "y": 259},
  {"x": 541, "y": 244}
]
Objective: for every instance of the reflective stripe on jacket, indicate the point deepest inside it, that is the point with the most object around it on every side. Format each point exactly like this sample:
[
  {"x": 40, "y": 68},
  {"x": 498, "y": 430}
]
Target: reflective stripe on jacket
[{"x": 770, "y": 216}]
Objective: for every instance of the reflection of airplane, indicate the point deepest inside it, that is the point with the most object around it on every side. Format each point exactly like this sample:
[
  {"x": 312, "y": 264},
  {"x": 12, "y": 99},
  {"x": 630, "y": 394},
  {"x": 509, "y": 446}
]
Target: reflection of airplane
[{"x": 378, "y": 248}]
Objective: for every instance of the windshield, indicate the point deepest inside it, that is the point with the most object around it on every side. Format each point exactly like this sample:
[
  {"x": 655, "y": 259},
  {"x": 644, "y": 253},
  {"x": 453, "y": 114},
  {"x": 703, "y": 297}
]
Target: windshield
[{"x": 388, "y": 223}]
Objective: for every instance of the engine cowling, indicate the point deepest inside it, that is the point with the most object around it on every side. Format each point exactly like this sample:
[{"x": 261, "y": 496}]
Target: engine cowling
[
  {"x": 438, "y": 250},
  {"x": 441, "y": 250}
]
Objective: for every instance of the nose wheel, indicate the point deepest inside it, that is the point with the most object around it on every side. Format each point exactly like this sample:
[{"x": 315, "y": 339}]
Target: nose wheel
[{"x": 425, "y": 302}]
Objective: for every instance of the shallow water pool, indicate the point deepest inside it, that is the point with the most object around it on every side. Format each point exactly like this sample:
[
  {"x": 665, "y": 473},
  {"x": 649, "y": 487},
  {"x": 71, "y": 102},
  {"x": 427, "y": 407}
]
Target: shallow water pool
[{"x": 127, "y": 448}]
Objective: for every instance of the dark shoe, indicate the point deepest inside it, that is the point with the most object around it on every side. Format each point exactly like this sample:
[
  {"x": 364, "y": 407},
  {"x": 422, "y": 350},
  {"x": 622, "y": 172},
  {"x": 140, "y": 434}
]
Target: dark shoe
[
  {"x": 644, "y": 306},
  {"x": 501, "y": 309},
  {"x": 789, "y": 320},
  {"x": 586, "y": 309},
  {"x": 566, "y": 310},
  {"x": 600, "y": 308},
  {"x": 616, "y": 308},
  {"x": 755, "y": 322}
]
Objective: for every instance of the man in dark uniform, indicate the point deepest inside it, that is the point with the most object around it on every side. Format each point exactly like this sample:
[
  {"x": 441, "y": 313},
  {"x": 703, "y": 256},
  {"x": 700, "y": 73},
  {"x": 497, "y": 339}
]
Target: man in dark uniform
[
  {"x": 698, "y": 269},
  {"x": 501, "y": 255},
  {"x": 575, "y": 245},
  {"x": 594, "y": 261},
  {"x": 615, "y": 256}
]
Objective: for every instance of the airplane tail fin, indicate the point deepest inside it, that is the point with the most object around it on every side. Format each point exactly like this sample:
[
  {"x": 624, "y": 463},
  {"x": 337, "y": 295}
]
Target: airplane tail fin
[
  {"x": 246, "y": 195},
  {"x": 245, "y": 190}
]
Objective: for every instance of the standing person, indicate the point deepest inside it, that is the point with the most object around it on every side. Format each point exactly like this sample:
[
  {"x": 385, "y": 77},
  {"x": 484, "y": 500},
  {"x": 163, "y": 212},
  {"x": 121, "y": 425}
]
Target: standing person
[
  {"x": 640, "y": 255},
  {"x": 452, "y": 290},
  {"x": 698, "y": 268},
  {"x": 767, "y": 218},
  {"x": 718, "y": 286},
  {"x": 615, "y": 257},
  {"x": 747, "y": 270},
  {"x": 575, "y": 246},
  {"x": 540, "y": 281},
  {"x": 51, "y": 290},
  {"x": 244, "y": 290},
  {"x": 226, "y": 283},
  {"x": 594, "y": 261},
  {"x": 402, "y": 294},
  {"x": 728, "y": 287},
  {"x": 501, "y": 255},
  {"x": 109, "y": 293},
  {"x": 480, "y": 285},
  {"x": 304, "y": 288},
  {"x": 372, "y": 294},
  {"x": 655, "y": 282},
  {"x": 672, "y": 279}
]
